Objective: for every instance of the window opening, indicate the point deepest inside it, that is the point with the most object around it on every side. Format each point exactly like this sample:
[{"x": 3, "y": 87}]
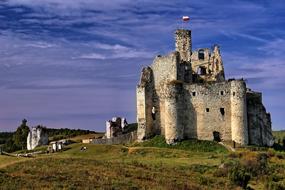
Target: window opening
[
  {"x": 201, "y": 71},
  {"x": 222, "y": 110},
  {"x": 201, "y": 54},
  {"x": 153, "y": 113},
  {"x": 216, "y": 136}
]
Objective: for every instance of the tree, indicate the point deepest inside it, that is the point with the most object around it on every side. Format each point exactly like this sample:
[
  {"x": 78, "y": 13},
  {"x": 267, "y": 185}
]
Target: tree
[{"x": 21, "y": 134}]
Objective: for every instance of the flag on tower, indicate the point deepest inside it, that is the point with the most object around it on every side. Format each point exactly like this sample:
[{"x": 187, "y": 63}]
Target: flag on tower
[{"x": 185, "y": 18}]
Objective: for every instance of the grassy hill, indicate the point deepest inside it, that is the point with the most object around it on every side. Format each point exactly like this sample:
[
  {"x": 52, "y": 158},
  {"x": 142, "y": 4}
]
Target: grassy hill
[{"x": 149, "y": 165}]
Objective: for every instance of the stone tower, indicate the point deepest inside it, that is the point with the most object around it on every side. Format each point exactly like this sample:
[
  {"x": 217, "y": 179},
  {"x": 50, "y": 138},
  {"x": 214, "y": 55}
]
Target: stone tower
[{"x": 183, "y": 44}]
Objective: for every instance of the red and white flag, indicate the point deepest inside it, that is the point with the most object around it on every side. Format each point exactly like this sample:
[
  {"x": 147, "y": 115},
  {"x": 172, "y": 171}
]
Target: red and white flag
[{"x": 185, "y": 18}]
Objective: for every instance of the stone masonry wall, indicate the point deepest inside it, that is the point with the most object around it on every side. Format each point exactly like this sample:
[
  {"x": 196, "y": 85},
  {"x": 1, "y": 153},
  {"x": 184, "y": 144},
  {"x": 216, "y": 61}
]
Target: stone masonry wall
[
  {"x": 259, "y": 121},
  {"x": 183, "y": 44},
  {"x": 145, "y": 93},
  {"x": 172, "y": 96},
  {"x": 239, "y": 112},
  {"x": 209, "y": 110},
  {"x": 165, "y": 69},
  {"x": 122, "y": 139}
]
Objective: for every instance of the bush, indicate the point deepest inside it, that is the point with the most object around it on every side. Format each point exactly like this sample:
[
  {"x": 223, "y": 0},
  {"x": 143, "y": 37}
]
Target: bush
[
  {"x": 242, "y": 166},
  {"x": 275, "y": 185},
  {"x": 255, "y": 164},
  {"x": 280, "y": 156},
  {"x": 239, "y": 176}
]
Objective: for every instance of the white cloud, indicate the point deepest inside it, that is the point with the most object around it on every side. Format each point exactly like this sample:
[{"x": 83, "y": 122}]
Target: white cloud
[
  {"x": 116, "y": 51},
  {"x": 41, "y": 45},
  {"x": 269, "y": 70},
  {"x": 232, "y": 34},
  {"x": 274, "y": 47},
  {"x": 92, "y": 56},
  {"x": 116, "y": 47}
]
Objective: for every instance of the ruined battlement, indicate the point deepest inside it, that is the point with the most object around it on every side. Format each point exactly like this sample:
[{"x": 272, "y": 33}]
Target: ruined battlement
[{"x": 185, "y": 95}]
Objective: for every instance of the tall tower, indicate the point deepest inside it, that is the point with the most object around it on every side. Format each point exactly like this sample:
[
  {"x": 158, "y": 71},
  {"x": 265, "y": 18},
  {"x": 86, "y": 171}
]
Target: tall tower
[{"x": 183, "y": 43}]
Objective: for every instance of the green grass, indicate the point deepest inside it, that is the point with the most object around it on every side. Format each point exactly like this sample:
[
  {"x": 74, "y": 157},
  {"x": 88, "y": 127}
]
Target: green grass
[
  {"x": 115, "y": 167},
  {"x": 279, "y": 135},
  {"x": 192, "y": 145},
  {"x": 8, "y": 160},
  {"x": 149, "y": 165},
  {"x": 37, "y": 149}
]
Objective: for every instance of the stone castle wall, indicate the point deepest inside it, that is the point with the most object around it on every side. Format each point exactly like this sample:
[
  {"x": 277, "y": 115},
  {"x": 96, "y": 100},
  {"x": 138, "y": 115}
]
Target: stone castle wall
[
  {"x": 259, "y": 121},
  {"x": 145, "y": 91},
  {"x": 122, "y": 139},
  {"x": 210, "y": 110},
  {"x": 239, "y": 113}
]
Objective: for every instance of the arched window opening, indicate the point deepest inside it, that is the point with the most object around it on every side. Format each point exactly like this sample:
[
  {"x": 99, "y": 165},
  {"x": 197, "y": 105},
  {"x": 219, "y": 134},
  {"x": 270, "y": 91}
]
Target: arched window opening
[{"x": 153, "y": 112}]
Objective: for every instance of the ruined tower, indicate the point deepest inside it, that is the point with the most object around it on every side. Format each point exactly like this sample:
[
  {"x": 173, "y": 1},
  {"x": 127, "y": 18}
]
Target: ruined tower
[
  {"x": 183, "y": 44},
  {"x": 185, "y": 95}
]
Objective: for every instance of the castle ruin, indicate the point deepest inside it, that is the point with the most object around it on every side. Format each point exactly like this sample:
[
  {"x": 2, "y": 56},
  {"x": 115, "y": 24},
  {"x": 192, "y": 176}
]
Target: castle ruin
[{"x": 185, "y": 95}]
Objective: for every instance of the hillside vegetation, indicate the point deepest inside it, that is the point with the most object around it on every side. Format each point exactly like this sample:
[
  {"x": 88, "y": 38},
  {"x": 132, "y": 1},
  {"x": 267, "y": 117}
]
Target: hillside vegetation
[
  {"x": 15, "y": 141},
  {"x": 279, "y": 136},
  {"x": 152, "y": 164}
]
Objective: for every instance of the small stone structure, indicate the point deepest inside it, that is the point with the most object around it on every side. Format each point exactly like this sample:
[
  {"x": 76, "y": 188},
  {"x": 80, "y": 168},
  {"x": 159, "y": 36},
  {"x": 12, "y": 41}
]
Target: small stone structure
[
  {"x": 87, "y": 141},
  {"x": 115, "y": 127},
  {"x": 37, "y": 137},
  {"x": 122, "y": 139},
  {"x": 56, "y": 146},
  {"x": 185, "y": 95}
]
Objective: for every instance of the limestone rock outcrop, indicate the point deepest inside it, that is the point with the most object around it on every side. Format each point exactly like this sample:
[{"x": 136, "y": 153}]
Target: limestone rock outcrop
[{"x": 37, "y": 137}]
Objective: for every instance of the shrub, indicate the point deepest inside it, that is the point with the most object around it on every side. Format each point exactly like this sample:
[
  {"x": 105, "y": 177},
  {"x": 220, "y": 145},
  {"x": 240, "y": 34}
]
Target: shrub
[
  {"x": 235, "y": 155},
  {"x": 280, "y": 156},
  {"x": 270, "y": 153},
  {"x": 239, "y": 176},
  {"x": 255, "y": 164},
  {"x": 272, "y": 185}
]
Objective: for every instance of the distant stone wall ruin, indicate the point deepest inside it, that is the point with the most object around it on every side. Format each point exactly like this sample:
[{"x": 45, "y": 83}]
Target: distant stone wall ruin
[{"x": 122, "y": 139}]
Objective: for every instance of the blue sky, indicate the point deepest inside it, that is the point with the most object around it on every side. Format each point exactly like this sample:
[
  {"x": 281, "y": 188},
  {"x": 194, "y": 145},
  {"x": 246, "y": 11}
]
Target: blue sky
[{"x": 76, "y": 63}]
